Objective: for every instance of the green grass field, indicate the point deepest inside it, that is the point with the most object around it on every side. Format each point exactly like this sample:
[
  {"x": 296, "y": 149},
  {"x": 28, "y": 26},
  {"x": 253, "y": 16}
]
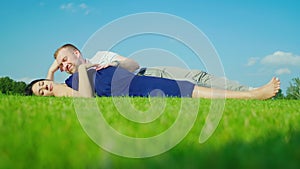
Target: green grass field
[{"x": 41, "y": 132}]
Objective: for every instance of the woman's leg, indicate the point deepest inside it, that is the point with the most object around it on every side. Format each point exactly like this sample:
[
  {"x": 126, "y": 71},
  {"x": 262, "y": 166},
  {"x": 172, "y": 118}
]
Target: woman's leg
[{"x": 267, "y": 91}]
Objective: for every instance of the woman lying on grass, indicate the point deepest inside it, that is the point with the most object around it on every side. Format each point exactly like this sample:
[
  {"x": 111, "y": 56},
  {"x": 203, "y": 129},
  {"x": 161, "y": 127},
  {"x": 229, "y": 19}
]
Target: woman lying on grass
[{"x": 116, "y": 81}]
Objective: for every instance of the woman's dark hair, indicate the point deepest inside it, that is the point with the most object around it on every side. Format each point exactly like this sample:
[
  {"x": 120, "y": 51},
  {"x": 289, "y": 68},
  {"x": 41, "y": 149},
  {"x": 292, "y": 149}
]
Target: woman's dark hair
[{"x": 28, "y": 90}]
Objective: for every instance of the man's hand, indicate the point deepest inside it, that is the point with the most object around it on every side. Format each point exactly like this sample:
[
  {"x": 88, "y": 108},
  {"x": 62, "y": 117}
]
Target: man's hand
[
  {"x": 53, "y": 68},
  {"x": 88, "y": 65},
  {"x": 114, "y": 63}
]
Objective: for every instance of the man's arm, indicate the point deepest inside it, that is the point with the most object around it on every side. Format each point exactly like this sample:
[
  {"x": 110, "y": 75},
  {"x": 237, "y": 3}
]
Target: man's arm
[
  {"x": 53, "y": 68},
  {"x": 126, "y": 63},
  {"x": 107, "y": 58}
]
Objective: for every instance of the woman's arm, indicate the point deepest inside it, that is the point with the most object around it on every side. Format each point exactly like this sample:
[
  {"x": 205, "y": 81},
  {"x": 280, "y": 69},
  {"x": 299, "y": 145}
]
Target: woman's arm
[{"x": 84, "y": 88}]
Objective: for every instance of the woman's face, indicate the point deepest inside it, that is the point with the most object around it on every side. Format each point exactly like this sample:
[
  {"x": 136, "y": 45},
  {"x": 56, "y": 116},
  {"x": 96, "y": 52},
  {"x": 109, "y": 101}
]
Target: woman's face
[{"x": 43, "y": 88}]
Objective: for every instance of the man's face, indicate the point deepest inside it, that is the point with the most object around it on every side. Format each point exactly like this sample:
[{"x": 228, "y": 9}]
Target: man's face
[{"x": 68, "y": 60}]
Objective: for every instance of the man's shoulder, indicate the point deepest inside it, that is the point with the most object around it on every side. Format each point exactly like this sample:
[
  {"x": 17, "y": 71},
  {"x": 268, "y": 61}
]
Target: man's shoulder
[
  {"x": 104, "y": 53},
  {"x": 102, "y": 56}
]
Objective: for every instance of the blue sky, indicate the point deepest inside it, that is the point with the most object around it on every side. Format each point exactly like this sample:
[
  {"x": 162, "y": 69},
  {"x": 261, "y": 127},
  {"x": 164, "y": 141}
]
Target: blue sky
[{"x": 255, "y": 40}]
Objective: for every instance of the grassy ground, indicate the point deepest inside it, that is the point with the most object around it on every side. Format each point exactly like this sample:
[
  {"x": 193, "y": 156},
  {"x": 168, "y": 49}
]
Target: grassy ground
[{"x": 39, "y": 132}]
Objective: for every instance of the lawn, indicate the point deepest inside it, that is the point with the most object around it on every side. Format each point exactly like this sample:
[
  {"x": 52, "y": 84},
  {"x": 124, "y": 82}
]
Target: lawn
[{"x": 41, "y": 132}]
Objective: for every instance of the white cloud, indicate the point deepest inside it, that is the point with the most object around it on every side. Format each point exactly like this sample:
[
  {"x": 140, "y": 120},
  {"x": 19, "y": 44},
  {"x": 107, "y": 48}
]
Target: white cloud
[
  {"x": 67, "y": 7},
  {"x": 83, "y": 6},
  {"x": 283, "y": 71},
  {"x": 252, "y": 61},
  {"x": 72, "y": 7},
  {"x": 281, "y": 58}
]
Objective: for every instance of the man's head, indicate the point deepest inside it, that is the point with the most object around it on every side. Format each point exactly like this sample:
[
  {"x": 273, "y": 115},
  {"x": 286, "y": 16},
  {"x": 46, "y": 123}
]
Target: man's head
[{"x": 69, "y": 58}]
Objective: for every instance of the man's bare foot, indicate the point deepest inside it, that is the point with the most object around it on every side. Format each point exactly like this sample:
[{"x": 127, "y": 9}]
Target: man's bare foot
[{"x": 267, "y": 91}]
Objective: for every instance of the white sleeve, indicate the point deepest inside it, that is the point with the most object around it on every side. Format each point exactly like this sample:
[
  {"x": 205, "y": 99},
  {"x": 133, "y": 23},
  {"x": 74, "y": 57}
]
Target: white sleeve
[{"x": 103, "y": 57}]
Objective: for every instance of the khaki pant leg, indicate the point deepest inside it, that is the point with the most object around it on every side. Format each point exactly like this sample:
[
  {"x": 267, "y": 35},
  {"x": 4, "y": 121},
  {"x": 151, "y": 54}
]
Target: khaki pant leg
[
  {"x": 175, "y": 73},
  {"x": 197, "y": 77}
]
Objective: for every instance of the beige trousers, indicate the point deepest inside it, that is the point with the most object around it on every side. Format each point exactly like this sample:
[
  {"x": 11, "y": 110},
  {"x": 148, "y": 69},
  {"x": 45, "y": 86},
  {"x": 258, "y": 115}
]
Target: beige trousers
[{"x": 197, "y": 77}]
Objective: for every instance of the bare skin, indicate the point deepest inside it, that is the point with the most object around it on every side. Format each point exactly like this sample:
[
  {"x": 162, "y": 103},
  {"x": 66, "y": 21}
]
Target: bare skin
[
  {"x": 265, "y": 92},
  {"x": 68, "y": 60},
  {"x": 49, "y": 88}
]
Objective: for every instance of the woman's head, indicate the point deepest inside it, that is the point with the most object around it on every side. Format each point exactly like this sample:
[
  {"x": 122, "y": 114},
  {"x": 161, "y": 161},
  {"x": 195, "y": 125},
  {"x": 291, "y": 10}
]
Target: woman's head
[{"x": 40, "y": 87}]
